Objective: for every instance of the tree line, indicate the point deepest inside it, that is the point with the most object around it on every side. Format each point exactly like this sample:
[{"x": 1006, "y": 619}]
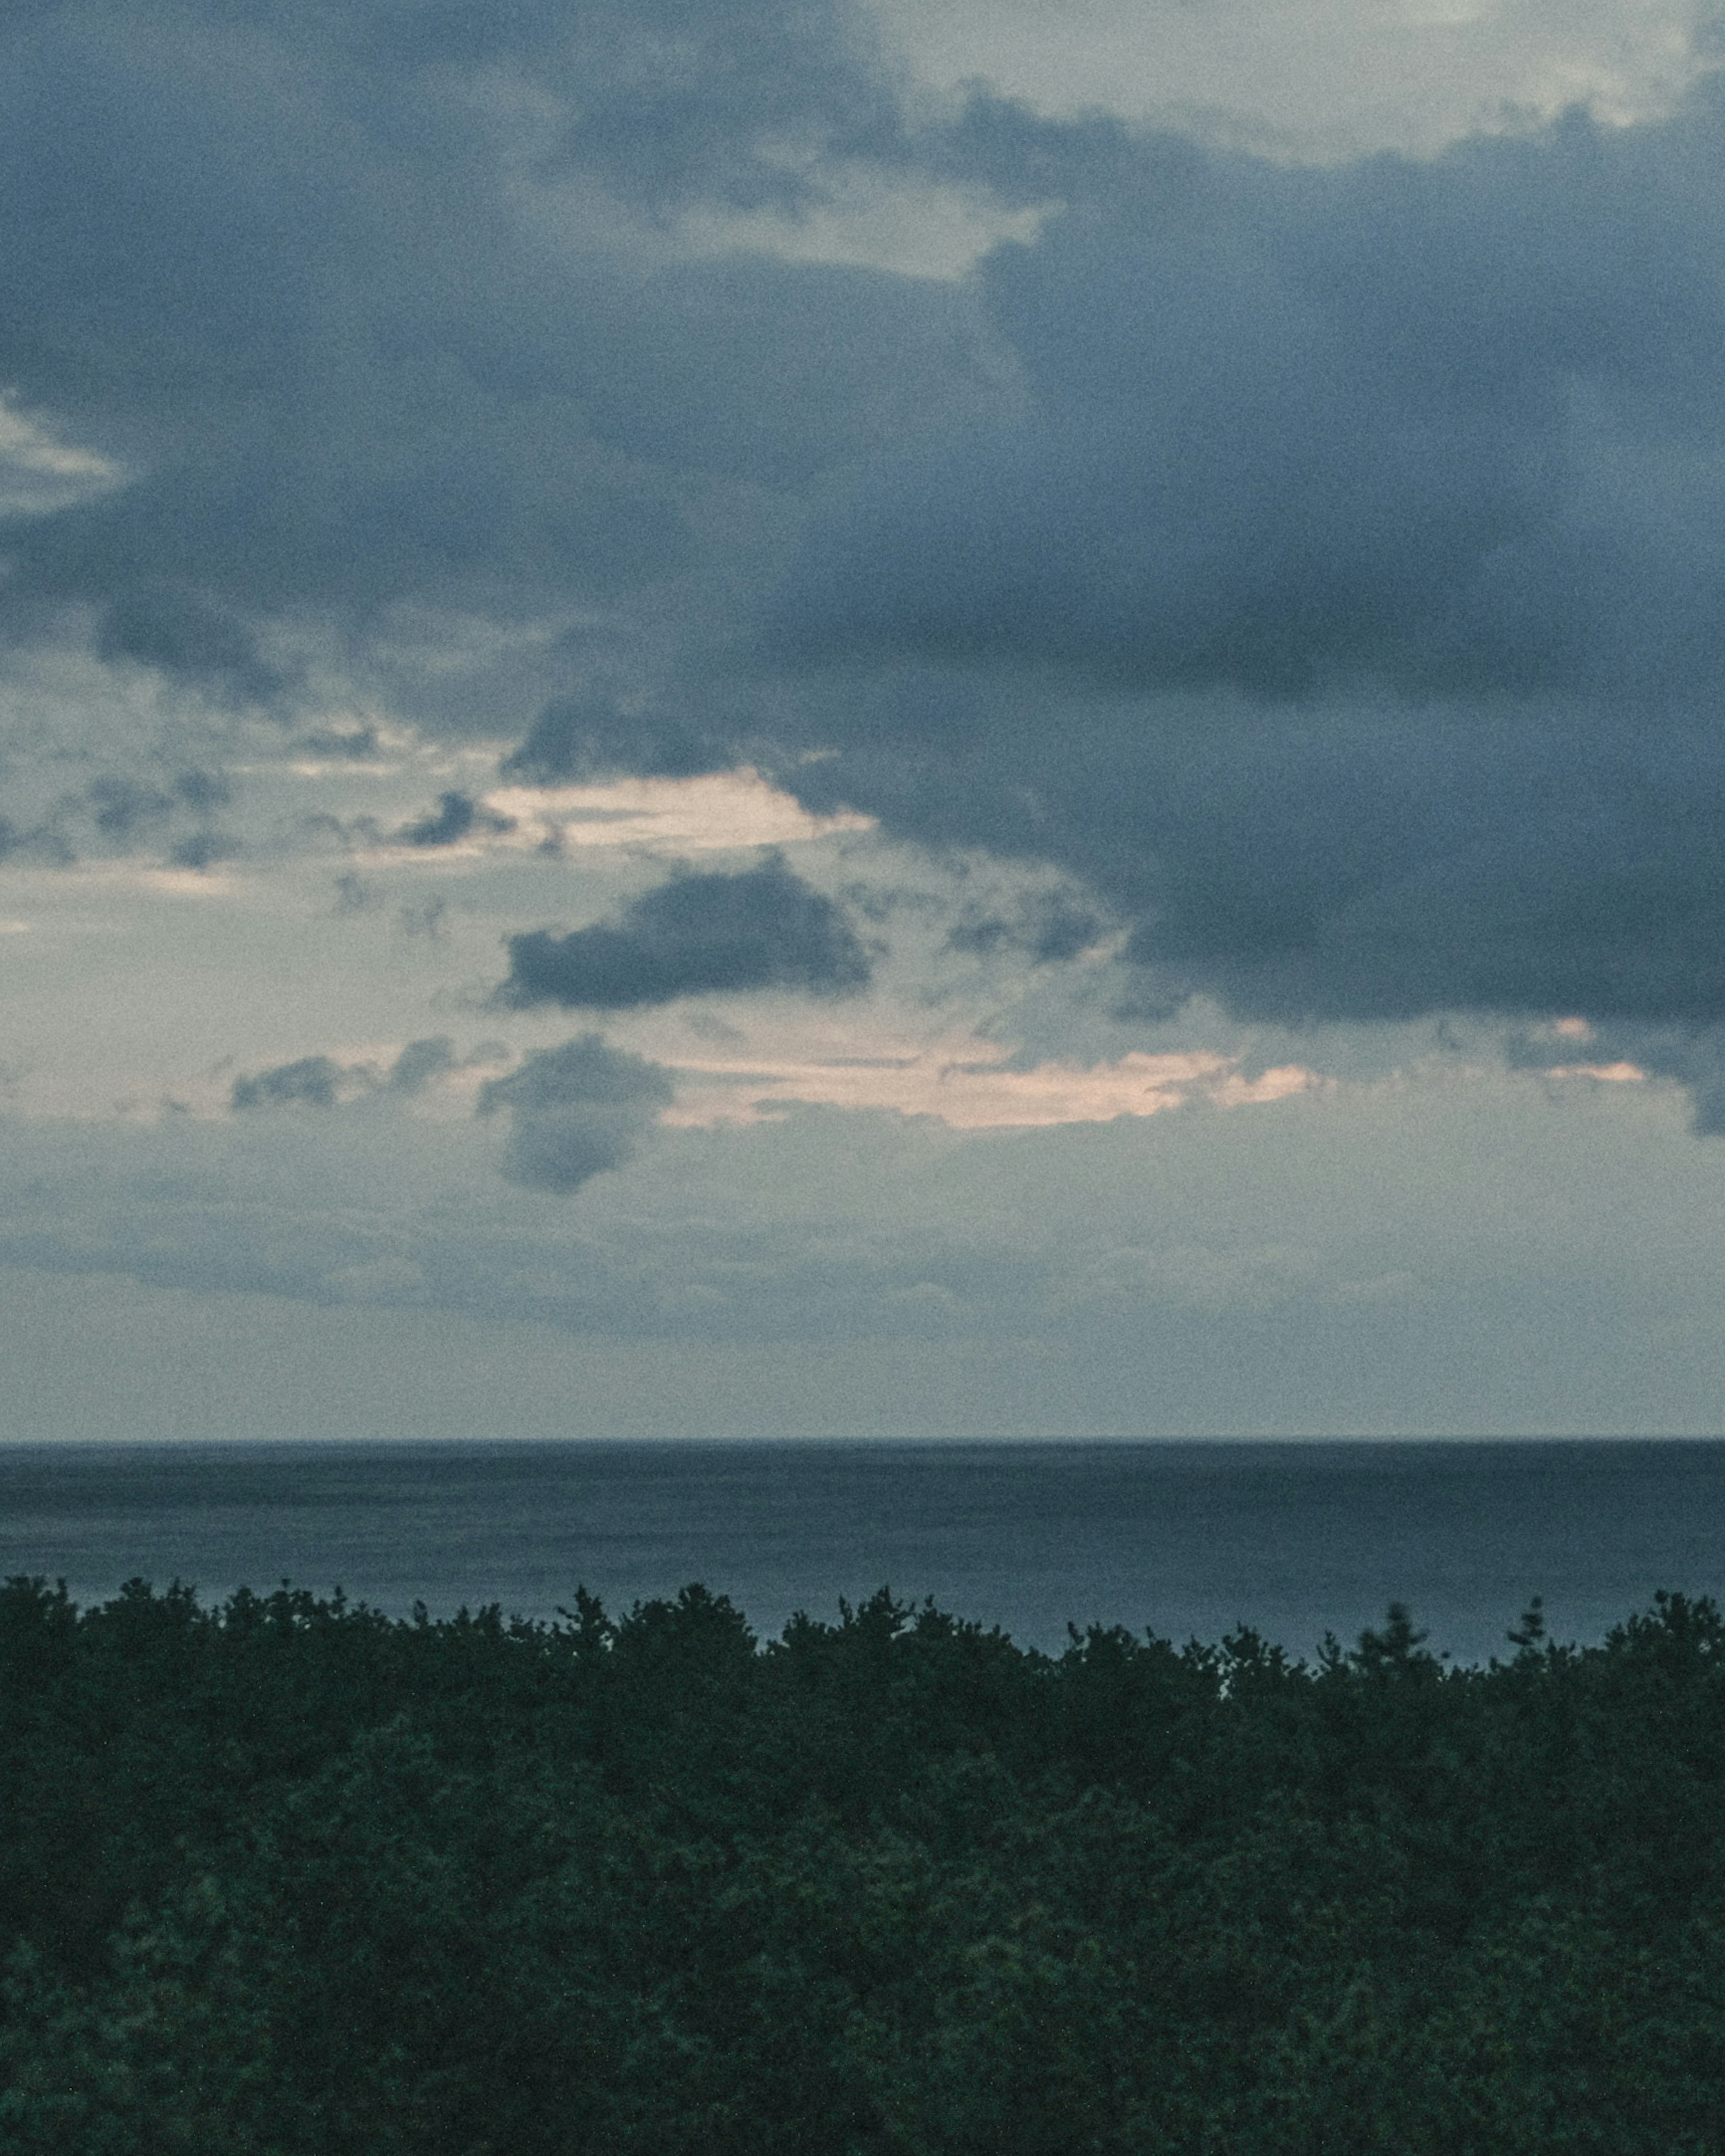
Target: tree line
[{"x": 287, "y": 1876}]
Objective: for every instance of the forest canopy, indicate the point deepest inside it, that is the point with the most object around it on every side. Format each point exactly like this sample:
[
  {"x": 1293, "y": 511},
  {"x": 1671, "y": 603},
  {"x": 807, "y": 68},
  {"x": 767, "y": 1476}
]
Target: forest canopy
[{"x": 287, "y": 1876}]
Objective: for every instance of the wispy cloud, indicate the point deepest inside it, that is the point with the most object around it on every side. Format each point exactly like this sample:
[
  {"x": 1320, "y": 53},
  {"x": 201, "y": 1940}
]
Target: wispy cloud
[{"x": 965, "y": 1084}]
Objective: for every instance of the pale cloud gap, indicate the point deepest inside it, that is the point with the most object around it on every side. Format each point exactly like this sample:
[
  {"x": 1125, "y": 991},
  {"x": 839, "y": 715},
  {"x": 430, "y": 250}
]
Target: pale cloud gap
[
  {"x": 963, "y": 1084},
  {"x": 1080, "y": 1238},
  {"x": 1612, "y": 1074},
  {"x": 413, "y": 779},
  {"x": 716, "y": 811},
  {"x": 412, "y": 803}
]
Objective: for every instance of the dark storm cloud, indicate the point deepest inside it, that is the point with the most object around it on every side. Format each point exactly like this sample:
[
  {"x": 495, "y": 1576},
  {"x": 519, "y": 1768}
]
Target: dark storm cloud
[
  {"x": 323, "y": 285},
  {"x": 577, "y": 738},
  {"x": 697, "y": 935},
  {"x": 1372, "y": 863},
  {"x": 216, "y": 258},
  {"x": 575, "y": 1112},
  {"x": 1348, "y": 604},
  {"x": 1447, "y": 428},
  {"x": 1327, "y": 567}
]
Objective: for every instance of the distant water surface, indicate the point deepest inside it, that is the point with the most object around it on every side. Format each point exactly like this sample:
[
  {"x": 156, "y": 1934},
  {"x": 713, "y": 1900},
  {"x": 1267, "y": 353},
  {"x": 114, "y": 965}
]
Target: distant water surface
[{"x": 1186, "y": 1538}]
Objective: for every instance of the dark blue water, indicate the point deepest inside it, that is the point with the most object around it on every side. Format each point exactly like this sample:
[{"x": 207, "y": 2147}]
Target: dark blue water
[{"x": 1184, "y": 1539}]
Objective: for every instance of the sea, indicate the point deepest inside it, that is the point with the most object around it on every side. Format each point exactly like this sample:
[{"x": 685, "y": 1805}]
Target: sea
[{"x": 1186, "y": 1540}]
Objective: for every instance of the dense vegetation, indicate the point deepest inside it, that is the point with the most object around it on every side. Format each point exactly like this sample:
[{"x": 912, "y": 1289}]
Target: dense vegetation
[{"x": 291, "y": 1877}]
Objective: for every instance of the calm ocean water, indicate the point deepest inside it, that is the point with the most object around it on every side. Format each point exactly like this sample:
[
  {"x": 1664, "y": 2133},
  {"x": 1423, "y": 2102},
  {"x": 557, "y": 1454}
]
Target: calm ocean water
[{"x": 1297, "y": 1539}]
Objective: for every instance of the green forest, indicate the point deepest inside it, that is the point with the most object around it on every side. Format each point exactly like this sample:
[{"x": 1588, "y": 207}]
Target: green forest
[{"x": 289, "y": 1876}]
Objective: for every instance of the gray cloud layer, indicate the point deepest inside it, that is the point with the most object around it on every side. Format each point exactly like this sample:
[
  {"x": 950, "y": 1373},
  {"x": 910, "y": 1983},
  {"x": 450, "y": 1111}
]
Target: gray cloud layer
[
  {"x": 1359, "y": 1278},
  {"x": 696, "y": 934}
]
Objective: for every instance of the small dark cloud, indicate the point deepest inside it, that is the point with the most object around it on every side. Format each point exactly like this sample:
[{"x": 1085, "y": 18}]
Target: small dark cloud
[
  {"x": 313, "y": 1082},
  {"x": 455, "y": 817},
  {"x": 357, "y": 747},
  {"x": 420, "y": 1062},
  {"x": 203, "y": 849},
  {"x": 326, "y": 832},
  {"x": 584, "y": 1072},
  {"x": 581, "y": 738},
  {"x": 204, "y": 791},
  {"x": 354, "y": 895},
  {"x": 698, "y": 935},
  {"x": 129, "y": 813},
  {"x": 423, "y": 916},
  {"x": 124, "y": 811},
  {"x": 319, "y": 1081},
  {"x": 575, "y": 1112},
  {"x": 39, "y": 843},
  {"x": 451, "y": 820}
]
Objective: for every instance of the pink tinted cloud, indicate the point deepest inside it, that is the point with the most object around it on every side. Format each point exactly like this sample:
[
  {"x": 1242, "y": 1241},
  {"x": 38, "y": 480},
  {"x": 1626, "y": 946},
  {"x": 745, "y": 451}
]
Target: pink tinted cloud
[{"x": 964, "y": 1087}]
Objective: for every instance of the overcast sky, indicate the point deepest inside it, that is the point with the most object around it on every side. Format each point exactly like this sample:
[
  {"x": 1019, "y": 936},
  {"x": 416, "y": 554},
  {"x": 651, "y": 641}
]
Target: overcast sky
[{"x": 801, "y": 718}]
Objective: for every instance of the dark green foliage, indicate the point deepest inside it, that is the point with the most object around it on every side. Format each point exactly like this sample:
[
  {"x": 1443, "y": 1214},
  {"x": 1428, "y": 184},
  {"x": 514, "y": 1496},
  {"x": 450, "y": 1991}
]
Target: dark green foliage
[{"x": 289, "y": 1878}]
